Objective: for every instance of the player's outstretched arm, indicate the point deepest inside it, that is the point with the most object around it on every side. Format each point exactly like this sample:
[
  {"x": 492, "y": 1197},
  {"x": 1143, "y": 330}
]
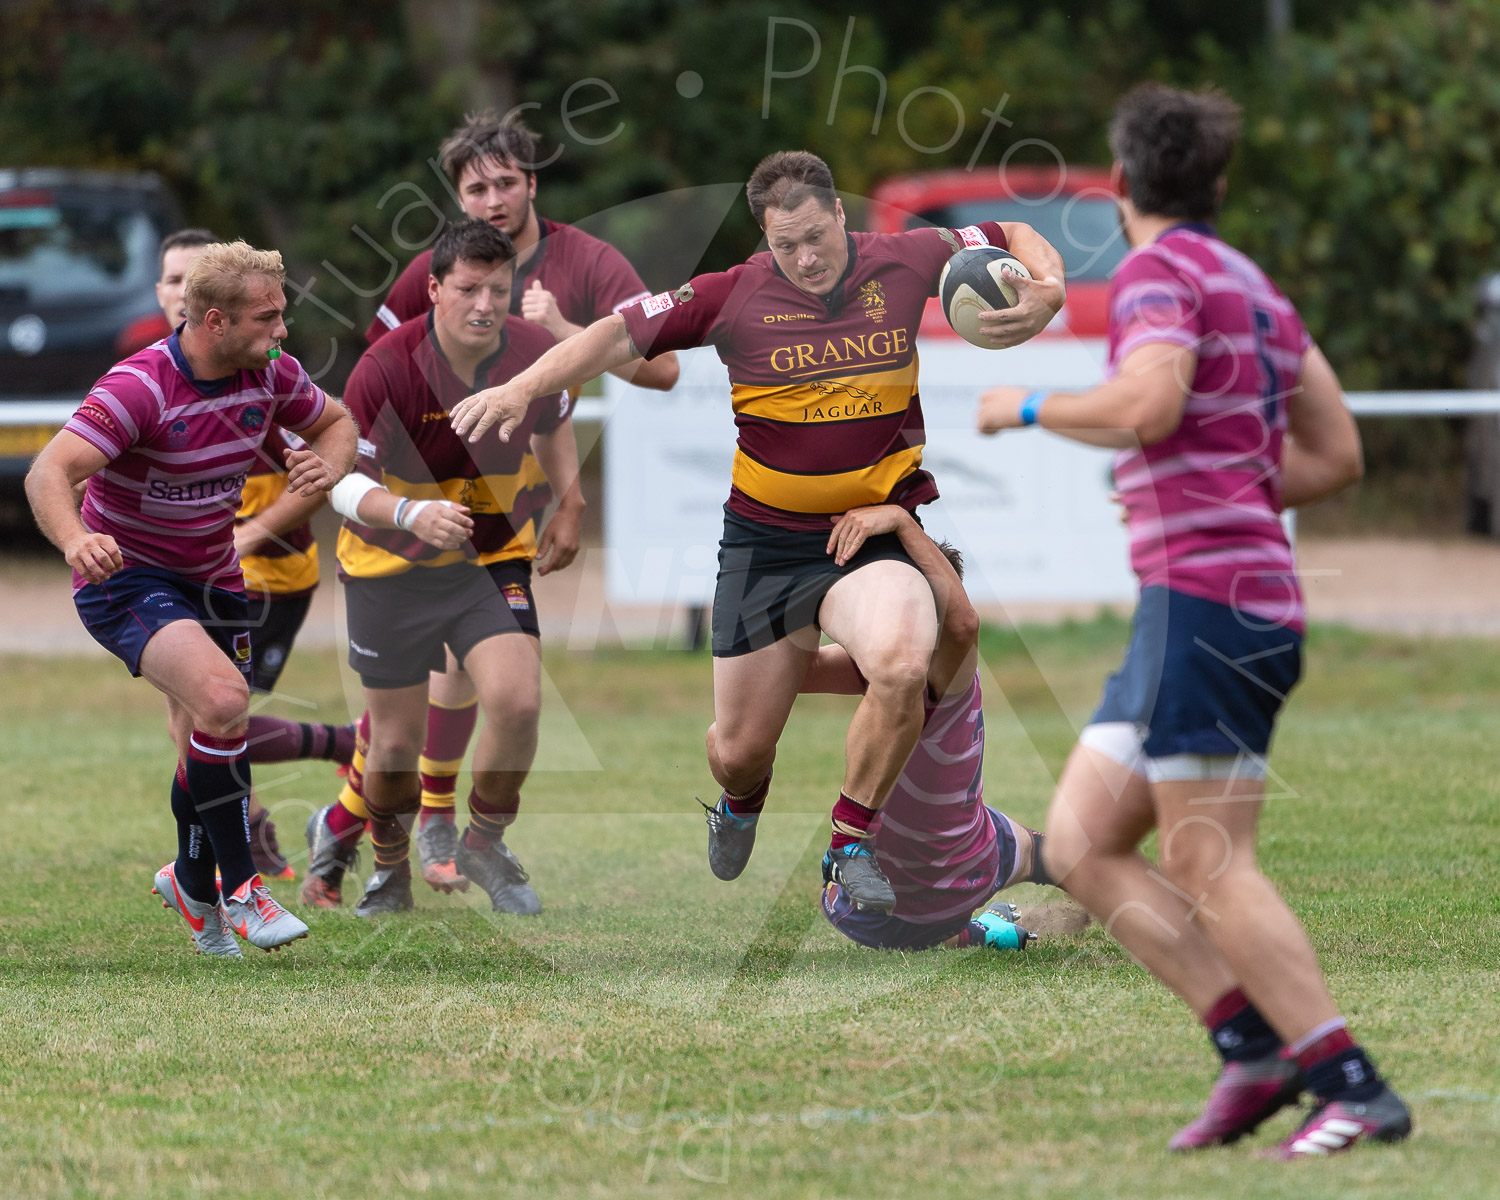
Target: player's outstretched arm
[
  {"x": 603, "y": 346},
  {"x": 1038, "y": 299},
  {"x": 66, "y": 461},
  {"x": 332, "y": 442},
  {"x": 659, "y": 373},
  {"x": 1322, "y": 454},
  {"x": 1142, "y": 405},
  {"x": 557, "y": 451}
]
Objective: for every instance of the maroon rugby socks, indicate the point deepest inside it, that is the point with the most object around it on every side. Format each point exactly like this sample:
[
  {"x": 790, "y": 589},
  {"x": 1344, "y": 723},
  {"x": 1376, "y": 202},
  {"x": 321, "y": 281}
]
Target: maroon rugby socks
[
  {"x": 488, "y": 820},
  {"x": 750, "y": 805},
  {"x": 1335, "y": 1066},
  {"x": 274, "y": 740},
  {"x": 851, "y": 822}
]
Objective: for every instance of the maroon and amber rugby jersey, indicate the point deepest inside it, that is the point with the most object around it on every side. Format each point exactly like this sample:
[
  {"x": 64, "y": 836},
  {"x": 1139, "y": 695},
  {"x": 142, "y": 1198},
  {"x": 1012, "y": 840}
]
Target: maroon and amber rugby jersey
[
  {"x": 287, "y": 564},
  {"x": 589, "y": 277},
  {"x": 401, "y": 393},
  {"x": 824, "y": 388}
]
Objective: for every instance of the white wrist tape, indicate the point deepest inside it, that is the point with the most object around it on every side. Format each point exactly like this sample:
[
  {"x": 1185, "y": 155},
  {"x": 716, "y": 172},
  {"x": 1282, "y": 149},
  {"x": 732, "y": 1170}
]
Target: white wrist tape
[
  {"x": 348, "y": 492},
  {"x": 407, "y": 517}
]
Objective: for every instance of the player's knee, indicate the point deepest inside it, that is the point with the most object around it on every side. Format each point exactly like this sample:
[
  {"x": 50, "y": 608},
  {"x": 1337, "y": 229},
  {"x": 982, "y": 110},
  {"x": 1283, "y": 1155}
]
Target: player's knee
[
  {"x": 1195, "y": 865},
  {"x": 900, "y": 668},
  {"x": 517, "y": 711},
  {"x": 223, "y": 706},
  {"x": 741, "y": 756}
]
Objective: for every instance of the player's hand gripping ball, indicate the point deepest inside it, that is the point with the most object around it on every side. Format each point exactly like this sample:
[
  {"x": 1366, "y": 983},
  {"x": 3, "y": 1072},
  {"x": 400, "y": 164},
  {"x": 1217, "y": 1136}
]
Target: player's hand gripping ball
[{"x": 974, "y": 282}]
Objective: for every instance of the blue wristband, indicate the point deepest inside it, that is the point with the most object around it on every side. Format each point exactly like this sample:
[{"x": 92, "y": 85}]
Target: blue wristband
[{"x": 1031, "y": 406}]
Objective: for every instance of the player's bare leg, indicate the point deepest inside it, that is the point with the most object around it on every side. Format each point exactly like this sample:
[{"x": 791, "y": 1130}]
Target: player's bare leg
[
  {"x": 884, "y": 615},
  {"x": 393, "y": 790},
  {"x": 452, "y": 711},
  {"x": 753, "y": 697},
  {"x": 1100, "y": 812},
  {"x": 507, "y": 672}
]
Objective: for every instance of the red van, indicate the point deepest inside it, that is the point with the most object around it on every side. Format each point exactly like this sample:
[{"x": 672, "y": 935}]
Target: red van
[{"x": 1072, "y": 207}]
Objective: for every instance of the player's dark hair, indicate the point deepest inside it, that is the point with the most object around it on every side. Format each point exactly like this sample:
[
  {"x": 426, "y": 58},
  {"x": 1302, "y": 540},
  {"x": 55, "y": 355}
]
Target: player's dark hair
[
  {"x": 472, "y": 241},
  {"x": 954, "y": 556},
  {"x": 787, "y": 179},
  {"x": 485, "y": 135},
  {"x": 183, "y": 237},
  {"x": 1175, "y": 146}
]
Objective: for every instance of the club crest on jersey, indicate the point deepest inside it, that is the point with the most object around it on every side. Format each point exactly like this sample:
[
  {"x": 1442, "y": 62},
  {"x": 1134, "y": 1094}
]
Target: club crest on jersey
[
  {"x": 872, "y": 296},
  {"x": 516, "y": 597},
  {"x": 177, "y": 432},
  {"x": 252, "y": 418},
  {"x": 242, "y": 647}
]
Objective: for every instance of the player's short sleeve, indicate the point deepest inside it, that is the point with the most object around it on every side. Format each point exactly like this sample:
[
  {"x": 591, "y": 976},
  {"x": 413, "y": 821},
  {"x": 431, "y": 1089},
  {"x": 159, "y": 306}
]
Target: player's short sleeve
[
  {"x": 553, "y": 411},
  {"x": 1150, "y": 301},
  {"x": 680, "y": 319},
  {"x": 407, "y": 298},
  {"x": 299, "y": 401},
  {"x": 613, "y": 283},
  {"x": 928, "y": 250},
  {"x": 371, "y": 401},
  {"x": 119, "y": 411}
]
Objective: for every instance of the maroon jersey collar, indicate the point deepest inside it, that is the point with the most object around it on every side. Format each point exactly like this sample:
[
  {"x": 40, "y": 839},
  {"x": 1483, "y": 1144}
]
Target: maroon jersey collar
[
  {"x": 486, "y": 365},
  {"x": 532, "y": 265}
]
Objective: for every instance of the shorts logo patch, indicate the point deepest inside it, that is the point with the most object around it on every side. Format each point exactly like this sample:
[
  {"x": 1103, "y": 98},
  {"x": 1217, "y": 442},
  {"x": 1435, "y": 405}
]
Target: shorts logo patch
[
  {"x": 972, "y": 235},
  {"x": 654, "y": 306},
  {"x": 516, "y": 597},
  {"x": 242, "y": 647},
  {"x": 253, "y": 418},
  {"x": 358, "y": 649}
]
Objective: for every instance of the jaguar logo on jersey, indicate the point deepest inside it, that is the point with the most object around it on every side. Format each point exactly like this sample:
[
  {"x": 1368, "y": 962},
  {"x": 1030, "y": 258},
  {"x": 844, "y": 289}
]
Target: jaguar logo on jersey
[
  {"x": 516, "y": 597},
  {"x": 242, "y": 647},
  {"x": 252, "y": 418},
  {"x": 860, "y": 403},
  {"x": 872, "y": 296},
  {"x": 473, "y": 497}
]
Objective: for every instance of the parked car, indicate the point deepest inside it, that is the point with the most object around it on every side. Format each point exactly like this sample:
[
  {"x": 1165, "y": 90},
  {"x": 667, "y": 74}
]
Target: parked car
[
  {"x": 78, "y": 269},
  {"x": 1072, "y": 207}
]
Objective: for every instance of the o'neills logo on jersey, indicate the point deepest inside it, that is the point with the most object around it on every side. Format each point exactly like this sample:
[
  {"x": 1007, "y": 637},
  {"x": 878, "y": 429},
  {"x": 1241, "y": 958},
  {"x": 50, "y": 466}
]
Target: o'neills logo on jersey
[
  {"x": 810, "y": 356},
  {"x": 773, "y": 318},
  {"x": 872, "y": 296}
]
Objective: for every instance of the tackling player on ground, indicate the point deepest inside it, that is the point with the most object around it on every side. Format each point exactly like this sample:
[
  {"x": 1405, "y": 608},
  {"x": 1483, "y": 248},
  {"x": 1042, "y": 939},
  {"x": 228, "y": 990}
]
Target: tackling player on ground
[
  {"x": 819, "y": 338},
  {"x": 564, "y": 280},
  {"x": 1225, "y": 413},
  {"x": 279, "y": 560},
  {"x": 165, "y": 441},
  {"x": 436, "y": 555},
  {"x": 943, "y": 849}
]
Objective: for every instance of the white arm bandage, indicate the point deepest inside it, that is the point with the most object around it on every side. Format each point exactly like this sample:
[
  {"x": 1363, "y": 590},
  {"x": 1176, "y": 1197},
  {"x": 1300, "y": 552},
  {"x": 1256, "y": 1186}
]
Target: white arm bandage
[{"x": 348, "y": 492}]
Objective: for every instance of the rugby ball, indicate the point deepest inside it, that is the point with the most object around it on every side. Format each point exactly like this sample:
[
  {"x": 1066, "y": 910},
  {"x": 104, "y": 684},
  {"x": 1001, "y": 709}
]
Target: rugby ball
[{"x": 973, "y": 282}]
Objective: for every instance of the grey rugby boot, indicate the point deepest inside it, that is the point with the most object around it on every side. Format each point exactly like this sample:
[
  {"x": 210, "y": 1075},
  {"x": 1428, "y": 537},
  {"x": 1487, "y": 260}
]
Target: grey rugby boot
[
  {"x": 386, "y": 891},
  {"x": 730, "y": 839},
  {"x": 436, "y": 846},
  {"x": 499, "y": 872},
  {"x": 252, "y": 913},
  {"x": 210, "y": 935},
  {"x": 853, "y": 868},
  {"x": 327, "y": 860}
]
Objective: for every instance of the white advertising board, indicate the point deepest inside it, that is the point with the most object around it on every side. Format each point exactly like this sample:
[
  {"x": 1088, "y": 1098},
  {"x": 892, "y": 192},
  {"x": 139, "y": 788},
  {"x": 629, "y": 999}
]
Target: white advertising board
[{"x": 1030, "y": 511}]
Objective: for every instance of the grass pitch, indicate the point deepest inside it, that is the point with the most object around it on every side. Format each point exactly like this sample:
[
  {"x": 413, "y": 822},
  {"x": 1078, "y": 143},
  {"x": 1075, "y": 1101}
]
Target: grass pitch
[{"x": 656, "y": 1032}]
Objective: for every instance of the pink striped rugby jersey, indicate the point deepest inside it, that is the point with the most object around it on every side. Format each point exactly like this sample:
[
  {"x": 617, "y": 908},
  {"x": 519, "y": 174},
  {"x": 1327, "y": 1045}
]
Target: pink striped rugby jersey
[
  {"x": 1204, "y": 505},
  {"x": 933, "y": 837},
  {"x": 180, "y": 451}
]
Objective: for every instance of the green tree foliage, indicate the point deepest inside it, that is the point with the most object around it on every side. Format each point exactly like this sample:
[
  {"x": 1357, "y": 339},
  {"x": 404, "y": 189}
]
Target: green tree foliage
[{"x": 1368, "y": 183}]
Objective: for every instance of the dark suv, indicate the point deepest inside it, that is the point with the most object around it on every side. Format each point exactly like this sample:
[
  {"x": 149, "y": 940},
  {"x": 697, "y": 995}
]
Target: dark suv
[{"x": 78, "y": 269}]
